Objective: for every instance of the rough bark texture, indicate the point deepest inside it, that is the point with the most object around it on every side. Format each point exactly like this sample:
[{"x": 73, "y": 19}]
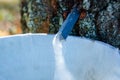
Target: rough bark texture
[{"x": 99, "y": 20}]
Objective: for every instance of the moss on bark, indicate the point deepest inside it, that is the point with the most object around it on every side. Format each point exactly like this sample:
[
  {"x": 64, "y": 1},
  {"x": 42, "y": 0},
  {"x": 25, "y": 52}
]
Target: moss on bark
[{"x": 100, "y": 19}]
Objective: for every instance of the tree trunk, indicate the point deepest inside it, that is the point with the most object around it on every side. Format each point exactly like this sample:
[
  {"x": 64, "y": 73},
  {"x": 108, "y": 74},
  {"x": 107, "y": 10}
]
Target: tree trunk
[{"x": 99, "y": 20}]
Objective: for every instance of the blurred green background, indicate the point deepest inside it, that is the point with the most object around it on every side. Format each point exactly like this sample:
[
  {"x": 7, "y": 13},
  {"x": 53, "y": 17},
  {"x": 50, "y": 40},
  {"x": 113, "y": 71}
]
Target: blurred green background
[{"x": 9, "y": 17}]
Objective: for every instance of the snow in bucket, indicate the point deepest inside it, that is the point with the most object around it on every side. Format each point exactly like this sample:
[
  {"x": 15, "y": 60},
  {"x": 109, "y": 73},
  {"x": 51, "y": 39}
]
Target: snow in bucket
[
  {"x": 32, "y": 57},
  {"x": 61, "y": 71}
]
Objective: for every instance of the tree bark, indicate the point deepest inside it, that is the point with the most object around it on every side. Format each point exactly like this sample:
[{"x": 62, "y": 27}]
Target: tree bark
[{"x": 99, "y": 20}]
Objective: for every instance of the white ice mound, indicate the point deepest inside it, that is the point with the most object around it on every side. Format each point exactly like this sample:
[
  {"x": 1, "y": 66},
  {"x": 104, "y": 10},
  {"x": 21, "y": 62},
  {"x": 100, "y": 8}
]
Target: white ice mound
[{"x": 31, "y": 57}]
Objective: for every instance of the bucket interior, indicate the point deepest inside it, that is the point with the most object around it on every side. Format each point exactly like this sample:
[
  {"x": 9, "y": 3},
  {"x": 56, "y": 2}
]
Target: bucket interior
[{"x": 31, "y": 57}]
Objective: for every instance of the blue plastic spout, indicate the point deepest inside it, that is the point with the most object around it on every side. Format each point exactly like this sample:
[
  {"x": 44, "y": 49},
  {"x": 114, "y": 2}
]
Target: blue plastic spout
[{"x": 69, "y": 23}]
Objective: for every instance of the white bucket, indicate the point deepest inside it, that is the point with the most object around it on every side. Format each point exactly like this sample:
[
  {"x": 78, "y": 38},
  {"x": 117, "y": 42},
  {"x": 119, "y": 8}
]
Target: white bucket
[{"x": 31, "y": 57}]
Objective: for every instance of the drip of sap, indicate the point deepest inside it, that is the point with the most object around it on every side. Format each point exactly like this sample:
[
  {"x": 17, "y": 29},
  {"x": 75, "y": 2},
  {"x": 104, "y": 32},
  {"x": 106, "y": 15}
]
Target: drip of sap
[{"x": 61, "y": 71}]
